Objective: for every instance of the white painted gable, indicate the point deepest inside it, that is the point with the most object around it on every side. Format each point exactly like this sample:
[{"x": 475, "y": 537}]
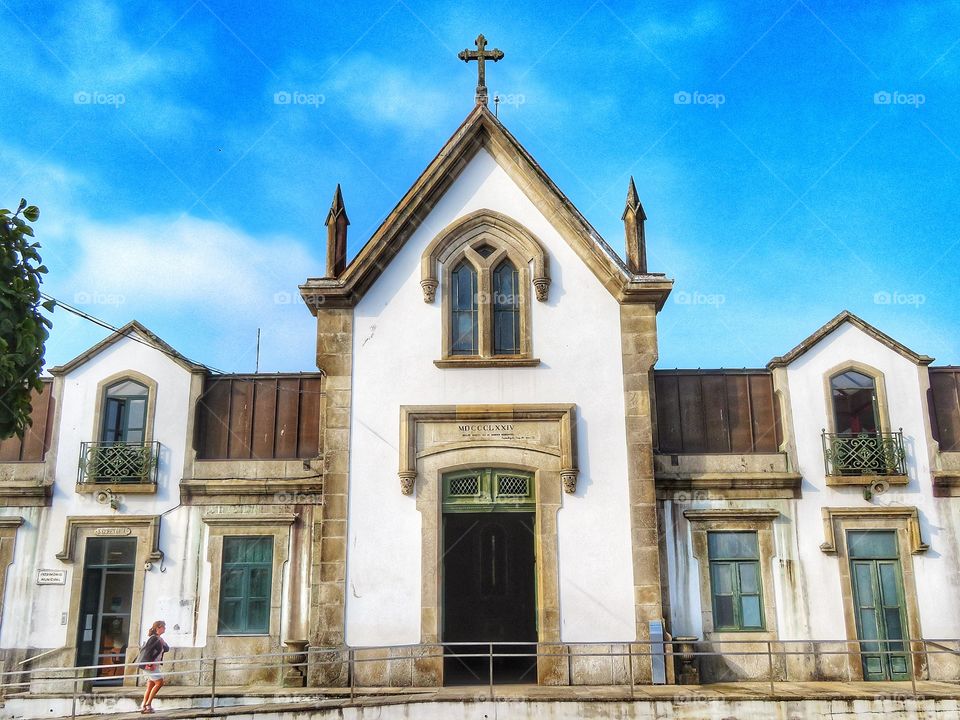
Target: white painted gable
[{"x": 397, "y": 337}]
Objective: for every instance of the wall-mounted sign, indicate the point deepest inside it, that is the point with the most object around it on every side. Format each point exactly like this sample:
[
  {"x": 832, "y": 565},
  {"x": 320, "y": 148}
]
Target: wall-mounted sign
[
  {"x": 492, "y": 431},
  {"x": 51, "y": 577},
  {"x": 112, "y": 531}
]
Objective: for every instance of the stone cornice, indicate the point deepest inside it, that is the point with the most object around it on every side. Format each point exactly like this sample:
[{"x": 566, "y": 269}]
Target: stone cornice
[
  {"x": 149, "y": 522},
  {"x": 732, "y": 515},
  {"x": 15, "y": 493},
  {"x": 946, "y": 483},
  {"x": 906, "y": 514},
  {"x": 562, "y": 413},
  {"x": 741, "y": 485},
  {"x": 234, "y": 519}
]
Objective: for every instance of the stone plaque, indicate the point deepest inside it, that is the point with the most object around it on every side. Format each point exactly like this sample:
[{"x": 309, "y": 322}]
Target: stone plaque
[
  {"x": 112, "y": 531},
  {"x": 51, "y": 577}
]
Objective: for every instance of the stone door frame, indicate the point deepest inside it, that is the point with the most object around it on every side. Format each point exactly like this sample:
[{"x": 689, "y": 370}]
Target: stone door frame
[{"x": 549, "y": 455}]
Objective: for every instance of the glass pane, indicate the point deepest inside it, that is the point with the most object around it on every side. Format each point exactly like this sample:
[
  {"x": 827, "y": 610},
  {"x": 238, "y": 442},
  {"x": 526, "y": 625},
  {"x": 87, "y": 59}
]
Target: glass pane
[
  {"x": 117, "y": 592},
  {"x": 260, "y": 583},
  {"x": 112, "y": 421},
  {"x": 258, "y": 615},
  {"x": 132, "y": 436},
  {"x": 749, "y": 577},
  {"x": 872, "y": 544},
  {"x": 231, "y": 549},
  {"x": 891, "y": 617},
  {"x": 506, "y": 333},
  {"x": 136, "y": 412},
  {"x": 231, "y": 584},
  {"x": 121, "y": 552},
  {"x": 863, "y": 585},
  {"x": 230, "y": 616},
  {"x": 96, "y": 547},
  {"x": 733, "y": 545},
  {"x": 854, "y": 402},
  {"x": 723, "y": 612},
  {"x": 465, "y": 332},
  {"x": 722, "y": 579},
  {"x": 888, "y": 585},
  {"x": 127, "y": 388},
  {"x": 261, "y": 550},
  {"x": 750, "y": 611}
]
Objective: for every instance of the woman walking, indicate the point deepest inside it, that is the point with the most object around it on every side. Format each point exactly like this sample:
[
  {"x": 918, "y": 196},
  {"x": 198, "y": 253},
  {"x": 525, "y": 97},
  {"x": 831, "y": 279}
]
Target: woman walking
[{"x": 151, "y": 655}]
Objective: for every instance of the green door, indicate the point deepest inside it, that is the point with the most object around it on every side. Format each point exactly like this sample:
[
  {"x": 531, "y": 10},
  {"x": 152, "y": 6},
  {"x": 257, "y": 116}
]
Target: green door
[{"x": 878, "y": 603}]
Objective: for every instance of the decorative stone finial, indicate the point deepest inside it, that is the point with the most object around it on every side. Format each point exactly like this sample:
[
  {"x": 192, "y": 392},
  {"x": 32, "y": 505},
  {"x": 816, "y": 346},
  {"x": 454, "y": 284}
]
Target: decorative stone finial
[
  {"x": 480, "y": 55},
  {"x": 636, "y": 244},
  {"x": 336, "y": 223}
]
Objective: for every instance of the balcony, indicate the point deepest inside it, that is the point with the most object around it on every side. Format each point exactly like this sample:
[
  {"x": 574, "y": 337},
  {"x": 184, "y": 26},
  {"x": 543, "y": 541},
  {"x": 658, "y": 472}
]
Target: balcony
[
  {"x": 864, "y": 458},
  {"x": 109, "y": 464}
]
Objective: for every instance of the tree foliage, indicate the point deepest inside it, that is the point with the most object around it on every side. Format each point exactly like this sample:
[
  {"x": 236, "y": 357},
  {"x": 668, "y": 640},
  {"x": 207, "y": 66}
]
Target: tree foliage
[{"x": 23, "y": 327}]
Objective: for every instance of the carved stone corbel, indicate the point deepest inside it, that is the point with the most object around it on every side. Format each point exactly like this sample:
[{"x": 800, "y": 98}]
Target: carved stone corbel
[
  {"x": 569, "y": 479},
  {"x": 429, "y": 289},
  {"x": 407, "y": 480},
  {"x": 541, "y": 286}
]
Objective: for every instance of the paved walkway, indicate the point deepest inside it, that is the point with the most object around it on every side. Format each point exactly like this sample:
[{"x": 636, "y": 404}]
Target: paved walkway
[{"x": 172, "y": 702}]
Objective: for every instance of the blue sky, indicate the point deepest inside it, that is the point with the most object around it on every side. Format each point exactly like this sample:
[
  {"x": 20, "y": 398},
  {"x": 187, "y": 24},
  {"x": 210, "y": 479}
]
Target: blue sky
[{"x": 794, "y": 158}]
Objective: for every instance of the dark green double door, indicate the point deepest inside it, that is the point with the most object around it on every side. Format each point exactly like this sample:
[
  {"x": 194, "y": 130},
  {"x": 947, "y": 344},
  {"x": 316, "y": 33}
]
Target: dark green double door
[{"x": 879, "y": 604}]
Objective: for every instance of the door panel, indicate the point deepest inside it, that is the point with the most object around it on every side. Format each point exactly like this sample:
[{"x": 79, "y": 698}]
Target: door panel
[
  {"x": 489, "y": 593},
  {"x": 880, "y": 615}
]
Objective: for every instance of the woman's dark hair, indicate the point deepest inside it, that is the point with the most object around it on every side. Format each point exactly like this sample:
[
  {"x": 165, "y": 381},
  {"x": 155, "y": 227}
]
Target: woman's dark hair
[{"x": 155, "y": 626}]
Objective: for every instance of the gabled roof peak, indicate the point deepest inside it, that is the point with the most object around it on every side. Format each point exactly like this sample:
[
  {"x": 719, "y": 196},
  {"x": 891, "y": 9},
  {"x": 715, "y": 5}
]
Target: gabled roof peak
[
  {"x": 126, "y": 331},
  {"x": 848, "y": 317},
  {"x": 481, "y": 129}
]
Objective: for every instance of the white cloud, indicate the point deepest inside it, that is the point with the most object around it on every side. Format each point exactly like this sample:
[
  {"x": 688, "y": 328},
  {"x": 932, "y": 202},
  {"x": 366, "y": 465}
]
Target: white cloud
[
  {"x": 217, "y": 282},
  {"x": 377, "y": 93}
]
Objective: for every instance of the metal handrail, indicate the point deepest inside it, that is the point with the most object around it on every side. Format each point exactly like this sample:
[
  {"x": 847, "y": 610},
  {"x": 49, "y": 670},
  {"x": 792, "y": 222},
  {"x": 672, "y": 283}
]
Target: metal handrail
[{"x": 343, "y": 655}]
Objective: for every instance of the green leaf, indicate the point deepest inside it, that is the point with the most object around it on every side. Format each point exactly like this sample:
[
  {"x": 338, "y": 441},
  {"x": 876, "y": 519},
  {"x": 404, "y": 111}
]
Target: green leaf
[{"x": 31, "y": 213}]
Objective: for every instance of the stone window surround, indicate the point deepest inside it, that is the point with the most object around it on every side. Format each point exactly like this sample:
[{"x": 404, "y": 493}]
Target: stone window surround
[
  {"x": 883, "y": 417},
  {"x": 278, "y": 526},
  {"x": 905, "y": 521},
  {"x": 148, "y": 428},
  {"x": 759, "y": 520},
  {"x": 510, "y": 240},
  {"x": 78, "y": 529}
]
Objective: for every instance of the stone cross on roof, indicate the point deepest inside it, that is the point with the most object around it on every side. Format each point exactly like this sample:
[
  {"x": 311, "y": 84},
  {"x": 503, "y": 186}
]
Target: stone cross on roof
[{"x": 480, "y": 55}]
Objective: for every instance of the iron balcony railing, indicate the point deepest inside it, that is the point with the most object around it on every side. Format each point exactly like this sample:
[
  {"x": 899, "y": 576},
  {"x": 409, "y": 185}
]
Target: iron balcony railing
[
  {"x": 876, "y": 453},
  {"x": 118, "y": 462}
]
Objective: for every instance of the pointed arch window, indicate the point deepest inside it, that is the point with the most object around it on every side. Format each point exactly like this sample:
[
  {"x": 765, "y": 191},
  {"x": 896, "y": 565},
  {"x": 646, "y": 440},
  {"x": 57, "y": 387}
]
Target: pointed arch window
[
  {"x": 506, "y": 309},
  {"x": 464, "y": 311}
]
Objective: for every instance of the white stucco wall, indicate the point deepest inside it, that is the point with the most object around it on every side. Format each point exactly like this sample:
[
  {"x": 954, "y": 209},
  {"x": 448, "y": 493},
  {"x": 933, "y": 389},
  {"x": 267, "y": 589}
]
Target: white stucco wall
[
  {"x": 41, "y": 622},
  {"x": 576, "y": 334},
  {"x": 806, "y": 580},
  {"x": 937, "y": 569}
]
